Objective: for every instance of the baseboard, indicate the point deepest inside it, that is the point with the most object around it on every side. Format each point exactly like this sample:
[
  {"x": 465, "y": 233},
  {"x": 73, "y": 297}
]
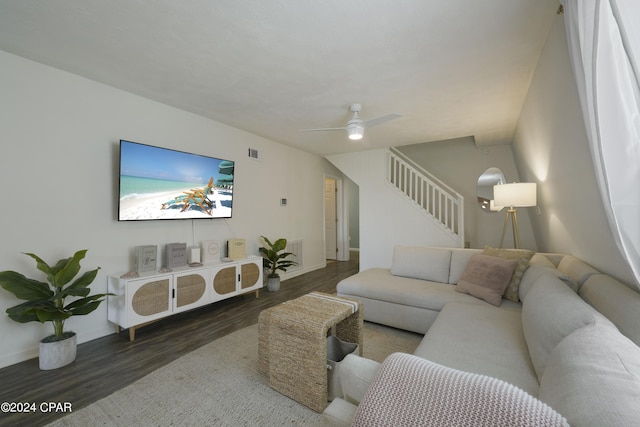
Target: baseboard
[
  {"x": 18, "y": 357},
  {"x": 302, "y": 271}
]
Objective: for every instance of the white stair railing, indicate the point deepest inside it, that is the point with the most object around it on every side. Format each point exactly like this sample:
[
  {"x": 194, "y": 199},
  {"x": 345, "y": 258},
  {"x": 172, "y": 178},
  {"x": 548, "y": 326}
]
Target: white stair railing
[{"x": 434, "y": 198}]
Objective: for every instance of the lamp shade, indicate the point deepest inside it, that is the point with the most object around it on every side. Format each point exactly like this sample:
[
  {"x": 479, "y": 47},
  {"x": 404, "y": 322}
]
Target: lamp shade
[
  {"x": 517, "y": 194},
  {"x": 355, "y": 131},
  {"x": 493, "y": 207}
]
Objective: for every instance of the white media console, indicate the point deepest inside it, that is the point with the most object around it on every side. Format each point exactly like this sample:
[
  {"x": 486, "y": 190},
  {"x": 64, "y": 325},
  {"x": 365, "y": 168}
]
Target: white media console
[{"x": 150, "y": 297}]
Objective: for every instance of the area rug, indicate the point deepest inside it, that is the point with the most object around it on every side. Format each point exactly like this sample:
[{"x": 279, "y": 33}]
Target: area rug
[{"x": 219, "y": 385}]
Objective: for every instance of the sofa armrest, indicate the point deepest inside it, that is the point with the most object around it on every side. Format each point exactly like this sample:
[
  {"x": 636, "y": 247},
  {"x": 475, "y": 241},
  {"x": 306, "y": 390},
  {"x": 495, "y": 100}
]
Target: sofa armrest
[
  {"x": 339, "y": 413},
  {"x": 356, "y": 374},
  {"x": 409, "y": 390}
]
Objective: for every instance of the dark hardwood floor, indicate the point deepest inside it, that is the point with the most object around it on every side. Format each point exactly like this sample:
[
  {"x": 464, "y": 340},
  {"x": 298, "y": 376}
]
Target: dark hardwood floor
[{"x": 107, "y": 364}]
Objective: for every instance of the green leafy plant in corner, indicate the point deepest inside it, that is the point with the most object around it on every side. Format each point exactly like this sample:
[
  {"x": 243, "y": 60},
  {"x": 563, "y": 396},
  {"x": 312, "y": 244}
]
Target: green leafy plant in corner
[
  {"x": 45, "y": 302},
  {"x": 275, "y": 258}
]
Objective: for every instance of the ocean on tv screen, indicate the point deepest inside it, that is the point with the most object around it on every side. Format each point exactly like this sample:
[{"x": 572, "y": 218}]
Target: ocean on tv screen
[{"x": 147, "y": 198}]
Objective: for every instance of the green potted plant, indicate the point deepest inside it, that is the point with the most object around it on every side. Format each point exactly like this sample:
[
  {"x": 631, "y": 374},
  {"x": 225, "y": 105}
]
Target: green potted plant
[
  {"x": 275, "y": 259},
  {"x": 45, "y": 302}
]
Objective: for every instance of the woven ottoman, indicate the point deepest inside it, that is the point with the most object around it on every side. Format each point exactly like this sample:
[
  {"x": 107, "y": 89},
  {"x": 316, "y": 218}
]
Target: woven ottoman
[{"x": 292, "y": 343}]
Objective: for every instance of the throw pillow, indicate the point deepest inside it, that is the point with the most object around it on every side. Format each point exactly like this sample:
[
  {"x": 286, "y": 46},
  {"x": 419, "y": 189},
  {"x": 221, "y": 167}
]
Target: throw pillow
[
  {"x": 486, "y": 277},
  {"x": 541, "y": 260},
  {"x": 579, "y": 270},
  {"x": 523, "y": 256}
]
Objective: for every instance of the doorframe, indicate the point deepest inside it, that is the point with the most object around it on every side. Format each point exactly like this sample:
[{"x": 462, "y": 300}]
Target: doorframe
[{"x": 342, "y": 213}]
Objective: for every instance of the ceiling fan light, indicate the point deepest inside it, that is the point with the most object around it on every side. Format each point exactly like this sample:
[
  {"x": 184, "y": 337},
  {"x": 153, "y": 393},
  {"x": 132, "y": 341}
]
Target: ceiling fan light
[{"x": 355, "y": 132}]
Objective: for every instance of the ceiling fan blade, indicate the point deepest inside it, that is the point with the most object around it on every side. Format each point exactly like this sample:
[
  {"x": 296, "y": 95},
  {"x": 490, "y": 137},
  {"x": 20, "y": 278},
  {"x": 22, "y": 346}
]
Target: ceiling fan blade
[
  {"x": 382, "y": 119},
  {"x": 321, "y": 129}
]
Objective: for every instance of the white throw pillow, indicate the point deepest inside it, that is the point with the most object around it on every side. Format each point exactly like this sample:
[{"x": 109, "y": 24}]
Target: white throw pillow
[
  {"x": 578, "y": 270},
  {"x": 541, "y": 260}
]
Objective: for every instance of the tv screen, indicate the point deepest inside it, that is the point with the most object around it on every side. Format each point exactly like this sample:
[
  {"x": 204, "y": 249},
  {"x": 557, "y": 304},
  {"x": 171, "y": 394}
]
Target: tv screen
[{"x": 158, "y": 183}]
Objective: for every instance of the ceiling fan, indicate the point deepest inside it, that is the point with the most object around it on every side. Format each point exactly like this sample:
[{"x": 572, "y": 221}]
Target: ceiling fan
[{"x": 355, "y": 127}]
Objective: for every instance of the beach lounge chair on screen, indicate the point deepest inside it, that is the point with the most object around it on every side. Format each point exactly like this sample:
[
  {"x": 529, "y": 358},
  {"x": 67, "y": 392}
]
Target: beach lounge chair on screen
[{"x": 194, "y": 197}]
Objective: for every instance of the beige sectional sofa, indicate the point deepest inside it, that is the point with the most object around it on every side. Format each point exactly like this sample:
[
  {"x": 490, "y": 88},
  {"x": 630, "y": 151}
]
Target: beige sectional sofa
[{"x": 569, "y": 340}]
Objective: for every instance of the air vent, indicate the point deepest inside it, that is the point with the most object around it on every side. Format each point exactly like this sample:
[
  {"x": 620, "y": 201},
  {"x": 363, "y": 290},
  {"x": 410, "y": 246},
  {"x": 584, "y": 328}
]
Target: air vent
[
  {"x": 253, "y": 153},
  {"x": 295, "y": 247}
]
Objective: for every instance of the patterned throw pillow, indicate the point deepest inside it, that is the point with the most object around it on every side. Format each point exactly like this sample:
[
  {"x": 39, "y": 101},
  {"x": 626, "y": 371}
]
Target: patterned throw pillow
[{"x": 523, "y": 256}]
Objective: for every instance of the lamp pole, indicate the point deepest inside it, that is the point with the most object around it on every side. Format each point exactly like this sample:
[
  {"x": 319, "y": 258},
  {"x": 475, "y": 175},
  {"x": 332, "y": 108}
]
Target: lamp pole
[{"x": 511, "y": 213}]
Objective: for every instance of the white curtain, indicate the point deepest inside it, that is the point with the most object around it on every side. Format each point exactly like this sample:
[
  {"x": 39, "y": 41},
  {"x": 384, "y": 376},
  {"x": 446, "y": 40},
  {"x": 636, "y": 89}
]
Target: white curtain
[{"x": 604, "y": 43}]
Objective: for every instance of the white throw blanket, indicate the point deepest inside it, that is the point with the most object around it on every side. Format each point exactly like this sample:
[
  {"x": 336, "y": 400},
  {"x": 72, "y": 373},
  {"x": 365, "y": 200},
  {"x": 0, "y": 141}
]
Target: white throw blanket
[{"x": 411, "y": 391}]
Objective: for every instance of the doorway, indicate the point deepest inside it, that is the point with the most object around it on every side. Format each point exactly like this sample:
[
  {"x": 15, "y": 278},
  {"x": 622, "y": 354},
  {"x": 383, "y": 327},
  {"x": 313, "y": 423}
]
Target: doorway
[{"x": 330, "y": 219}]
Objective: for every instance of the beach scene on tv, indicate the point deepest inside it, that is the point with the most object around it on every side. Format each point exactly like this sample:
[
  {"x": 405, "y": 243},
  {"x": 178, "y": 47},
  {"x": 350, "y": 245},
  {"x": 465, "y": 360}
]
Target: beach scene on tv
[{"x": 158, "y": 183}]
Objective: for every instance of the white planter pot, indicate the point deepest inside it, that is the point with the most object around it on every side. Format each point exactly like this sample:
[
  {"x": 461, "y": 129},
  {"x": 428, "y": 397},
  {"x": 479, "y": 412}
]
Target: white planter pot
[
  {"x": 273, "y": 284},
  {"x": 54, "y": 355}
]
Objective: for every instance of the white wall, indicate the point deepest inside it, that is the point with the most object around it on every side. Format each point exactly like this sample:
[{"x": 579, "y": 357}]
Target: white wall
[
  {"x": 550, "y": 148},
  {"x": 459, "y": 163},
  {"x": 59, "y": 166},
  {"x": 386, "y": 218}
]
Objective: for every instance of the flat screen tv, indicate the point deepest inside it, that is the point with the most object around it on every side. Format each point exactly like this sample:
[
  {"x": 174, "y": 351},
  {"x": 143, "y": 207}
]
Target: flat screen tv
[{"x": 159, "y": 183}]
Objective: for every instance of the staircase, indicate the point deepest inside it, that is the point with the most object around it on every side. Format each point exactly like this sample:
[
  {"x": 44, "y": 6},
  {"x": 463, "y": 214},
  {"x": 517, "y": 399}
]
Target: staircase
[{"x": 435, "y": 199}]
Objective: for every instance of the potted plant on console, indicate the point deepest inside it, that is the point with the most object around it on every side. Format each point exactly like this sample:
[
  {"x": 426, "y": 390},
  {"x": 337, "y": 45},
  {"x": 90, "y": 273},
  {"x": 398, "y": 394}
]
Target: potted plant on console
[
  {"x": 275, "y": 259},
  {"x": 45, "y": 302}
]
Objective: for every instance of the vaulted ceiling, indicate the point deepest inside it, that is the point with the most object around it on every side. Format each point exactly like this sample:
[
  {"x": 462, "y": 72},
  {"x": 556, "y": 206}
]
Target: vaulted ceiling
[{"x": 451, "y": 68}]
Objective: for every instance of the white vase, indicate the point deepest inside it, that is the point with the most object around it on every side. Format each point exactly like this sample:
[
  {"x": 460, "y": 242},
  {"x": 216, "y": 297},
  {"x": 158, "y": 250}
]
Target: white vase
[
  {"x": 56, "y": 354},
  {"x": 273, "y": 284}
]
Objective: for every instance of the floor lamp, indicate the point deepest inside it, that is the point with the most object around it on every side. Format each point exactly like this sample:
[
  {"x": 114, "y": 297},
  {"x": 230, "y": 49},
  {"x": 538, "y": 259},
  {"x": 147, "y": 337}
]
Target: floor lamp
[{"x": 515, "y": 195}]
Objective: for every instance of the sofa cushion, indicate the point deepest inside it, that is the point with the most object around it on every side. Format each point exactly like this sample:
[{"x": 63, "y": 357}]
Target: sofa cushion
[
  {"x": 402, "y": 302},
  {"x": 339, "y": 413},
  {"x": 593, "y": 378},
  {"x": 617, "y": 302},
  {"x": 379, "y": 284},
  {"x": 421, "y": 263},
  {"x": 535, "y": 271},
  {"x": 483, "y": 339},
  {"x": 356, "y": 373},
  {"x": 486, "y": 277},
  {"x": 409, "y": 391},
  {"x": 578, "y": 270},
  {"x": 459, "y": 259},
  {"x": 523, "y": 257},
  {"x": 550, "y": 312}
]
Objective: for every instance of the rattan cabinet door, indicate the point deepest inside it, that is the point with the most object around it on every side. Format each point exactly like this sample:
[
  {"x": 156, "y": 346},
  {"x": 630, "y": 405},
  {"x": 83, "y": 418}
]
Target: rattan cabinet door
[
  {"x": 224, "y": 282},
  {"x": 191, "y": 290},
  {"x": 148, "y": 300},
  {"x": 250, "y": 274}
]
